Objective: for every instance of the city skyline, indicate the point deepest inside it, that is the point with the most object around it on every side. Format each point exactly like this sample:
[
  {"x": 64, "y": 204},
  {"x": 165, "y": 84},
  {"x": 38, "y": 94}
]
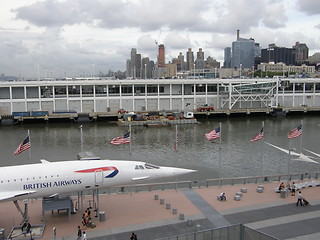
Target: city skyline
[{"x": 73, "y": 37}]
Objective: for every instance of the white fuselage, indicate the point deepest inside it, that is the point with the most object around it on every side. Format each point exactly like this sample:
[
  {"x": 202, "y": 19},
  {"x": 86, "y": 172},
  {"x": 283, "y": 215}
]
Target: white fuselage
[{"x": 49, "y": 178}]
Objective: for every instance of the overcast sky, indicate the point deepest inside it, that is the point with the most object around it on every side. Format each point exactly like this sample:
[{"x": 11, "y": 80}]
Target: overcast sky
[{"x": 79, "y": 37}]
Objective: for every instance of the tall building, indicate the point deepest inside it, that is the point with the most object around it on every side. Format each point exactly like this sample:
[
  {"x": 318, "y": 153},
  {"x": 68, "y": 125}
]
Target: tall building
[
  {"x": 243, "y": 52},
  {"x": 138, "y": 65},
  {"x": 134, "y": 65},
  {"x": 128, "y": 68},
  {"x": 182, "y": 62},
  {"x": 161, "y": 56},
  {"x": 301, "y": 52},
  {"x": 278, "y": 54},
  {"x": 133, "y": 69},
  {"x": 227, "y": 57},
  {"x": 190, "y": 59},
  {"x": 199, "y": 63},
  {"x": 146, "y": 68}
]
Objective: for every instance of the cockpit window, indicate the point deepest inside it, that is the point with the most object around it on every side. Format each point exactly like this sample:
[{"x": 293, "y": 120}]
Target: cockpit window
[
  {"x": 141, "y": 167},
  {"x": 150, "y": 166},
  {"x": 137, "y": 167}
]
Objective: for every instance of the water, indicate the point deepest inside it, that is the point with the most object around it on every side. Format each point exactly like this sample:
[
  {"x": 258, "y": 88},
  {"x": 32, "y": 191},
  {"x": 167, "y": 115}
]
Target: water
[{"x": 239, "y": 157}]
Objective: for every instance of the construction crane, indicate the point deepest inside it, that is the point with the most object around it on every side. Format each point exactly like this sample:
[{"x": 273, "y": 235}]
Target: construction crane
[{"x": 157, "y": 44}]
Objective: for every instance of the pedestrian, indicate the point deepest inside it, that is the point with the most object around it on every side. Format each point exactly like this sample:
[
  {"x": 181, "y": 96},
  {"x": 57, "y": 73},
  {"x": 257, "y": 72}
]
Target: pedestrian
[
  {"x": 133, "y": 236},
  {"x": 79, "y": 233},
  {"x": 299, "y": 199},
  {"x": 223, "y": 196},
  {"x": 293, "y": 189},
  {"x": 84, "y": 235}
]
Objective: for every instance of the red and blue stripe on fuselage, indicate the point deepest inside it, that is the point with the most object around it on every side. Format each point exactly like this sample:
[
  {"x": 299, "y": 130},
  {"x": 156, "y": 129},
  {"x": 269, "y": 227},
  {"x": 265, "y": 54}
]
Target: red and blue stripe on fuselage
[{"x": 103, "y": 169}]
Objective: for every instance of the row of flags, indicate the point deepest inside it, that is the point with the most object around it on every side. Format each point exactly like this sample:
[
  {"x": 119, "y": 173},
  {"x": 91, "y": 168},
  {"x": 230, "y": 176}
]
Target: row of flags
[
  {"x": 126, "y": 138},
  {"x": 216, "y": 133}
]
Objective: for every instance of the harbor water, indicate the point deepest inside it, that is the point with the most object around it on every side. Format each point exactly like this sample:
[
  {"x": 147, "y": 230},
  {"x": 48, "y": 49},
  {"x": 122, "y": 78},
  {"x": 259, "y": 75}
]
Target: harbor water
[{"x": 236, "y": 156}]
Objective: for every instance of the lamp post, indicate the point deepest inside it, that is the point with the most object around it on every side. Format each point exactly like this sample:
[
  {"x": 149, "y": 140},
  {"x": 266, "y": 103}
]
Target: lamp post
[{"x": 240, "y": 70}]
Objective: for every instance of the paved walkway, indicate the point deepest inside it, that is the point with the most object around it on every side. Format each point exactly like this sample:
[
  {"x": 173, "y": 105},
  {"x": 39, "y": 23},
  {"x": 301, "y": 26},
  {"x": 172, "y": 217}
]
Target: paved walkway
[
  {"x": 142, "y": 214},
  {"x": 206, "y": 209}
]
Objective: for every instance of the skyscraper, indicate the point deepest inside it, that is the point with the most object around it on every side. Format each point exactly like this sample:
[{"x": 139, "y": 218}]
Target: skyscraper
[
  {"x": 133, "y": 69},
  {"x": 182, "y": 63},
  {"x": 278, "y": 54},
  {"x": 200, "y": 59},
  {"x": 227, "y": 57},
  {"x": 190, "y": 59},
  {"x": 243, "y": 52},
  {"x": 161, "y": 56},
  {"x": 134, "y": 64},
  {"x": 301, "y": 52}
]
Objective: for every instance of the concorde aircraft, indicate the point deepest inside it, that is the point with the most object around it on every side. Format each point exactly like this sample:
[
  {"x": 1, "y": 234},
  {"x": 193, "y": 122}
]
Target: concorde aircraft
[{"x": 47, "y": 179}]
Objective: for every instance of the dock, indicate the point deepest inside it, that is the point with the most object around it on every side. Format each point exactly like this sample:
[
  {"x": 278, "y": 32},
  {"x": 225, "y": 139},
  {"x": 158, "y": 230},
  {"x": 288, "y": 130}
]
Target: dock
[{"x": 113, "y": 116}]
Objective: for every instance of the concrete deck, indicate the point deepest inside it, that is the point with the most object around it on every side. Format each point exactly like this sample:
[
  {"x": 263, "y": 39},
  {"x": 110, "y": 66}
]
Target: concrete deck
[{"x": 142, "y": 214}]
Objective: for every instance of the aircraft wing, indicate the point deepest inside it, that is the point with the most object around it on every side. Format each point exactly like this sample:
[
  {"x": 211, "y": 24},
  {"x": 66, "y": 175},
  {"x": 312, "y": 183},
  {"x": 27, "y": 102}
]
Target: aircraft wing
[
  {"x": 284, "y": 150},
  {"x": 305, "y": 158},
  {"x": 317, "y": 154},
  {"x": 301, "y": 157},
  {"x": 8, "y": 195}
]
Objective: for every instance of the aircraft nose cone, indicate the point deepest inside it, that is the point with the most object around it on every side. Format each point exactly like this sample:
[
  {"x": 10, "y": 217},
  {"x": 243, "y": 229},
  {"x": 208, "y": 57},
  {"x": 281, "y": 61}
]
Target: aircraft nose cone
[
  {"x": 176, "y": 171},
  {"x": 180, "y": 171}
]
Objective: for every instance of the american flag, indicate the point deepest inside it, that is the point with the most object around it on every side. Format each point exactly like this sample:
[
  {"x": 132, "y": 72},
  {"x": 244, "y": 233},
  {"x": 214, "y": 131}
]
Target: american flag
[
  {"x": 214, "y": 134},
  {"x": 121, "y": 140},
  {"x": 24, "y": 145},
  {"x": 295, "y": 132},
  {"x": 258, "y": 136}
]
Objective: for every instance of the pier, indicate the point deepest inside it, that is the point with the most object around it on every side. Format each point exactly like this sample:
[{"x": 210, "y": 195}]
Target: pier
[{"x": 113, "y": 116}]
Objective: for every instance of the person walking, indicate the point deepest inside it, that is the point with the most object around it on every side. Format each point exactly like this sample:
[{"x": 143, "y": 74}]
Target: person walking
[
  {"x": 299, "y": 199},
  {"x": 133, "y": 236},
  {"x": 84, "y": 235},
  {"x": 79, "y": 234}
]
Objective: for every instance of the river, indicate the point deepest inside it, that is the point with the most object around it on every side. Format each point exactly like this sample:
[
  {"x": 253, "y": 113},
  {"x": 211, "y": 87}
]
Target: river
[{"x": 239, "y": 157}]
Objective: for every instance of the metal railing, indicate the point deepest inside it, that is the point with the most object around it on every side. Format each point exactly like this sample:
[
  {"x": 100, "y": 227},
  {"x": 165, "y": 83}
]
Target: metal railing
[
  {"x": 234, "y": 232},
  {"x": 211, "y": 182}
]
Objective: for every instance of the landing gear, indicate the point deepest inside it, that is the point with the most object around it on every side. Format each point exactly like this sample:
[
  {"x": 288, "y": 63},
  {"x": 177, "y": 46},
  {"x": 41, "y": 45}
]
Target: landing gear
[{"x": 25, "y": 224}]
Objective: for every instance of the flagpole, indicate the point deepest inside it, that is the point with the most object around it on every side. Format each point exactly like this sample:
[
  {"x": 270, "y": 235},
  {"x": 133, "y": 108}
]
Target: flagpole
[
  {"x": 176, "y": 148},
  {"x": 261, "y": 152},
  {"x": 130, "y": 153},
  {"x": 30, "y": 145},
  {"x": 220, "y": 156},
  {"x": 81, "y": 137},
  {"x": 301, "y": 136}
]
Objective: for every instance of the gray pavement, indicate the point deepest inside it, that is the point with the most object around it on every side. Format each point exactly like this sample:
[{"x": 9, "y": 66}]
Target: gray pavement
[
  {"x": 282, "y": 220},
  {"x": 207, "y": 210}
]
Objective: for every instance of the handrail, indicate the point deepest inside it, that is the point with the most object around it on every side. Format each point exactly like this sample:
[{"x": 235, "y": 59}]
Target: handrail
[{"x": 213, "y": 182}]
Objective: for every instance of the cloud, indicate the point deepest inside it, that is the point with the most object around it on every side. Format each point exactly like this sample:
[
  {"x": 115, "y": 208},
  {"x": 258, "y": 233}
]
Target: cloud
[
  {"x": 148, "y": 15},
  {"x": 309, "y": 6},
  {"x": 175, "y": 41},
  {"x": 51, "y": 13},
  {"x": 274, "y": 15}
]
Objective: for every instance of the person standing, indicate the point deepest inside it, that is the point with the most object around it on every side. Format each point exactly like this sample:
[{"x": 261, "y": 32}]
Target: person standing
[
  {"x": 79, "y": 234},
  {"x": 299, "y": 199},
  {"x": 293, "y": 189}
]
